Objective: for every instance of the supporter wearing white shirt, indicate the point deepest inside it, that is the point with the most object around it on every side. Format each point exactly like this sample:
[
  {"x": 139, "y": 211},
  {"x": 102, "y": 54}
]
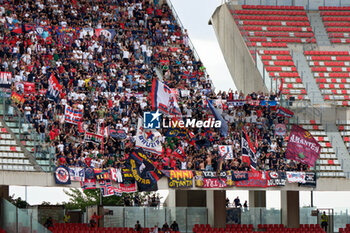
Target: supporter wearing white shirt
[
  {"x": 93, "y": 107},
  {"x": 60, "y": 147},
  {"x": 253, "y": 117},
  {"x": 80, "y": 106},
  {"x": 126, "y": 54},
  {"x": 273, "y": 146}
]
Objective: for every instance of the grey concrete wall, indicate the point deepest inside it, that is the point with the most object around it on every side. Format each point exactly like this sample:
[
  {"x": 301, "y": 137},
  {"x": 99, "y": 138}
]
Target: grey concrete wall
[
  {"x": 257, "y": 199},
  {"x": 238, "y": 59},
  {"x": 191, "y": 198},
  {"x": 4, "y": 192},
  {"x": 216, "y": 204},
  {"x": 290, "y": 209}
]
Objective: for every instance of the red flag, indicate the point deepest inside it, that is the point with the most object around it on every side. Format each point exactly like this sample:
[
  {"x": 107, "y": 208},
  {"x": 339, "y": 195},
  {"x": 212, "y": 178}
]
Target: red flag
[
  {"x": 248, "y": 151},
  {"x": 80, "y": 125},
  {"x": 281, "y": 87},
  {"x": 302, "y": 146},
  {"x": 29, "y": 88},
  {"x": 180, "y": 153}
]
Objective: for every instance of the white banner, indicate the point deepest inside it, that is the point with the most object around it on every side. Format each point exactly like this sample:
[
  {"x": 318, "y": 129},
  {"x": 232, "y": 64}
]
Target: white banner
[
  {"x": 148, "y": 139},
  {"x": 296, "y": 177},
  {"x": 226, "y": 151}
]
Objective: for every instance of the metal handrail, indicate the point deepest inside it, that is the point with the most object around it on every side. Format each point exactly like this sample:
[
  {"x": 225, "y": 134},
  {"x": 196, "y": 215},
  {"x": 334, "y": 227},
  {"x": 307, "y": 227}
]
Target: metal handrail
[{"x": 34, "y": 136}]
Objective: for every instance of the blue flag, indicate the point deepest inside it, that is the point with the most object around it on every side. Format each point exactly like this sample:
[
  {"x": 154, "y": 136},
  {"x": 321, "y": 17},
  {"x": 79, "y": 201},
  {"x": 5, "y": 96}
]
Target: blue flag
[
  {"x": 217, "y": 115},
  {"x": 143, "y": 170},
  {"x": 62, "y": 175}
]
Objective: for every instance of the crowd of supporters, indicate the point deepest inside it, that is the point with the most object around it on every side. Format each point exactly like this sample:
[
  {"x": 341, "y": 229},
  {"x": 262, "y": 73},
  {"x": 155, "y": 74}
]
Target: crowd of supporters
[{"x": 112, "y": 79}]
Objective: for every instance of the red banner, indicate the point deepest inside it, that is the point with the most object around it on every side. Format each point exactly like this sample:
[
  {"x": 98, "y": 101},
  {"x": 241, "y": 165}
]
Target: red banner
[
  {"x": 302, "y": 146},
  {"x": 29, "y": 88},
  {"x": 255, "y": 179},
  {"x": 17, "y": 98},
  {"x": 125, "y": 188}
]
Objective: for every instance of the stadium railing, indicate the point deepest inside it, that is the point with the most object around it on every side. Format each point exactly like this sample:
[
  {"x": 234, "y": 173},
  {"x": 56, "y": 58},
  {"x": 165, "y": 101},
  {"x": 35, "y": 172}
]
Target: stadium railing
[
  {"x": 27, "y": 135},
  {"x": 13, "y": 219}
]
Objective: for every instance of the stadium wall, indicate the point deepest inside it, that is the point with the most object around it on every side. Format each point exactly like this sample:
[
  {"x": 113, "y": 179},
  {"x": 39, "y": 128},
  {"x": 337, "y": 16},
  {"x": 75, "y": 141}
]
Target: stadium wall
[{"x": 237, "y": 56}]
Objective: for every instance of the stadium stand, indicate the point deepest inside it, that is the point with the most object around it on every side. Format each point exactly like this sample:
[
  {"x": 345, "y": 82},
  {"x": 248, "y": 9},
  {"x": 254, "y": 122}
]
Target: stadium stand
[
  {"x": 280, "y": 66},
  {"x": 11, "y": 156},
  {"x": 344, "y": 128},
  {"x": 345, "y": 230},
  {"x": 331, "y": 71},
  {"x": 336, "y": 20},
  {"x": 274, "y": 26},
  {"x": 328, "y": 164},
  {"x": 105, "y": 76}
]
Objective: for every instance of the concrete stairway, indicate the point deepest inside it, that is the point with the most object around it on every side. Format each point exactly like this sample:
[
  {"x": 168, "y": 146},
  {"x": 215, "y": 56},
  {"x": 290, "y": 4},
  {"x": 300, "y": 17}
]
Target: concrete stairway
[
  {"x": 307, "y": 78},
  {"x": 12, "y": 155},
  {"x": 18, "y": 150},
  {"x": 337, "y": 141},
  {"x": 319, "y": 29}
]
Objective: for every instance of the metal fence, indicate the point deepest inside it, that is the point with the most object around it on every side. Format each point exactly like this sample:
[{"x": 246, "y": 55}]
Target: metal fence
[
  {"x": 15, "y": 220},
  {"x": 186, "y": 217}
]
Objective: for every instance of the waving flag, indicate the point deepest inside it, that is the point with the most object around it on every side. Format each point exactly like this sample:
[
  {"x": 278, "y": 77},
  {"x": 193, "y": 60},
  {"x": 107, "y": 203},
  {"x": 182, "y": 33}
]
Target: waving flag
[
  {"x": 248, "y": 151},
  {"x": 177, "y": 131},
  {"x": 5, "y": 80},
  {"x": 281, "y": 111},
  {"x": 226, "y": 151},
  {"x": 143, "y": 170},
  {"x": 217, "y": 115},
  {"x": 148, "y": 139},
  {"x": 29, "y": 88},
  {"x": 164, "y": 99},
  {"x": 107, "y": 33},
  {"x": 54, "y": 89},
  {"x": 302, "y": 146},
  {"x": 66, "y": 35},
  {"x": 180, "y": 153},
  {"x": 17, "y": 98},
  {"x": 73, "y": 116},
  {"x": 91, "y": 137}
]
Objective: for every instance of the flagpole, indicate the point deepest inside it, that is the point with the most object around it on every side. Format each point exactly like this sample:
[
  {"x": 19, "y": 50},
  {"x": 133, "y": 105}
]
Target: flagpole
[{"x": 103, "y": 136}]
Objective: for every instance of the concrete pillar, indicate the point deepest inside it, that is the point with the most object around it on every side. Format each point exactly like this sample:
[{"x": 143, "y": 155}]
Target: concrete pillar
[
  {"x": 214, "y": 200},
  {"x": 216, "y": 204},
  {"x": 257, "y": 199},
  {"x": 290, "y": 209},
  {"x": 4, "y": 192},
  {"x": 186, "y": 198}
]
